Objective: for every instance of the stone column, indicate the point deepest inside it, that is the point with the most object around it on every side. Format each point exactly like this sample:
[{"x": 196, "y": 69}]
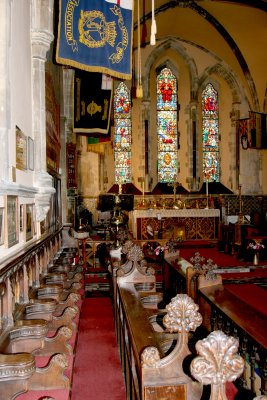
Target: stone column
[
  {"x": 41, "y": 38},
  {"x": 5, "y": 10},
  {"x": 67, "y": 135}
]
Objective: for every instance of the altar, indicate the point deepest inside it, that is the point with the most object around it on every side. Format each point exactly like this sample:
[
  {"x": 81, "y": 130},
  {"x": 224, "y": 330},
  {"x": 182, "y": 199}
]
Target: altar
[{"x": 199, "y": 223}]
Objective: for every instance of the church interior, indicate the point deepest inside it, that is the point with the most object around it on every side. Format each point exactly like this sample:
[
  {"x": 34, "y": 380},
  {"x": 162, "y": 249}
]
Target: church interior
[{"x": 133, "y": 200}]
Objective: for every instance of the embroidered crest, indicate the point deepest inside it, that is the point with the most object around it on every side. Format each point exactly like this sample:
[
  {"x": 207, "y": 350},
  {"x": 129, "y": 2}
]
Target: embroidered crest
[{"x": 95, "y": 31}]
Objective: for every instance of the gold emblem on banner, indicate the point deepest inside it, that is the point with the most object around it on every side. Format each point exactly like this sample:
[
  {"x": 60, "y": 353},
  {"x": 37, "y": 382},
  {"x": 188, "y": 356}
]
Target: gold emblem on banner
[
  {"x": 95, "y": 31},
  {"x": 93, "y": 108}
]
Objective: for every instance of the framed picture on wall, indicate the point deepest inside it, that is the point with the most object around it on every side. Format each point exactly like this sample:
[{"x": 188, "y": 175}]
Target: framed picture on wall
[
  {"x": 1, "y": 225},
  {"x": 12, "y": 218},
  {"x": 30, "y": 153},
  {"x": 21, "y": 150},
  {"x": 29, "y": 221}
]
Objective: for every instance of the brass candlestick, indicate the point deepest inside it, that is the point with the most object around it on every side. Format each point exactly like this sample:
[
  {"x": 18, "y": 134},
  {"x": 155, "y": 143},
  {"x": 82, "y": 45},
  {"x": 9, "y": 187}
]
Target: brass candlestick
[{"x": 174, "y": 185}]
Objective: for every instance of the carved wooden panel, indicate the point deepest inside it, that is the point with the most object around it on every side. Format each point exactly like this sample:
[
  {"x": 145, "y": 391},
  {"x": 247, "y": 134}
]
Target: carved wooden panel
[{"x": 160, "y": 392}]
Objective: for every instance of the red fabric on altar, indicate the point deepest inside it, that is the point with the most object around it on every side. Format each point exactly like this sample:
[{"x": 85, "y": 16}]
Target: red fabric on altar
[{"x": 251, "y": 294}]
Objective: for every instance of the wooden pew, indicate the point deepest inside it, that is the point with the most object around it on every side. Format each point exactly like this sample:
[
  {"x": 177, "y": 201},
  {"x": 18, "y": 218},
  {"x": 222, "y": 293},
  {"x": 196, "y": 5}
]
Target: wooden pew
[{"x": 152, "y": 353}]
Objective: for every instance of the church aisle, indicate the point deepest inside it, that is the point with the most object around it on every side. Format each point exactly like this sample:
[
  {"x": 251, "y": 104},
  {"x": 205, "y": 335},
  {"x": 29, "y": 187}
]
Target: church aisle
[{"x": 97, "y": 371}]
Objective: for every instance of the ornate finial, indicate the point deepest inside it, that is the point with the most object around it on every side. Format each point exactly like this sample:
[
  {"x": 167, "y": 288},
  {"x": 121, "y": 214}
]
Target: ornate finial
[
  {"x": 126, "y": 247},
  {"x": 182, "y": 314},
  {"x": 210, "y": 275},
  {"x": 150, "y": 357},
  {"x": 197, "y": 260},
  {"x": 217, "y": 363},
  {"x": 135, "y": 253}
]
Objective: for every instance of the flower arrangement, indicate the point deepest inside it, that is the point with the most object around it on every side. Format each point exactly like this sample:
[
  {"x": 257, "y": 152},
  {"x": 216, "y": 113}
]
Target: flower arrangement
[
  {"x": 254, "y": 245},
  {"x": 159, "y": 250}
]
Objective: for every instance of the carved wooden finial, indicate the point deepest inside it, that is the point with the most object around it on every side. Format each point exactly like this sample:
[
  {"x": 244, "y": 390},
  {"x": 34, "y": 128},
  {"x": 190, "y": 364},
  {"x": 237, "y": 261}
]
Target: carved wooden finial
[
  {"x": 182, "y": 314},
  {"x": 126, "y": 247},
  {"x": 197, "y": 261},
  {"x": 210, "y": 275},
  {"x": 217, "y": 363},
  {"x": 135, "y": 253}
]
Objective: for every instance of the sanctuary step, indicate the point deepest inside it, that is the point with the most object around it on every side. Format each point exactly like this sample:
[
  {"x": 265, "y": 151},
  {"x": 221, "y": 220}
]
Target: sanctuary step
[{"x": 97, "y": 281}]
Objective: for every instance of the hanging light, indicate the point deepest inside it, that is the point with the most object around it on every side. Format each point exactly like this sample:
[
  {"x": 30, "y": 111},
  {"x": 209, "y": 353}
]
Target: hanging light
[
  {"x": 139, "y": 89},
  {"x": 153, "y": 26}
]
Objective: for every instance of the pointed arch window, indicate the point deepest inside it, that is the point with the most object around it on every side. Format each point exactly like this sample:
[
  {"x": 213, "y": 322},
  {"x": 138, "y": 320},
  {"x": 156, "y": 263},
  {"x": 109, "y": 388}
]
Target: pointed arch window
[
  {"x": 122, "y": 134},
  {"x": 167, "y": 125},
  {"x": 210, "y": 132}
]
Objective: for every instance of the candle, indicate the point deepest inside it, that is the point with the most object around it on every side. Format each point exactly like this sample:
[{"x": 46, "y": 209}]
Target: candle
[{"x": 143, "y": 188}]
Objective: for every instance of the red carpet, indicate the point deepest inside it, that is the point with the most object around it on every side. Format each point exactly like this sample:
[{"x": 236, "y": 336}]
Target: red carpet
[{"x": 97, "y": 371}]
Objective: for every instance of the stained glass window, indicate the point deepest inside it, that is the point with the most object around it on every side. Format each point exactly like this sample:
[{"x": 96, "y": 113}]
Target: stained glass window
[
  {"x": 210, "y": 131},
  {"x": 122, "y": 134},
  {"x": 167, "y": 125}
]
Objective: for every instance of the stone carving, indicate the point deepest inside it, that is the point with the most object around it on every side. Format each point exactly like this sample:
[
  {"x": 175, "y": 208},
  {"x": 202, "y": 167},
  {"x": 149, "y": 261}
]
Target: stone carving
[
  {"x": 217, "y": 363},
  {"x": 182, "y": 314}
]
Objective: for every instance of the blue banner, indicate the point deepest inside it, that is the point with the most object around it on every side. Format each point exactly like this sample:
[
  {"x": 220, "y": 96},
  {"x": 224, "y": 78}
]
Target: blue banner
[{"x": 96, "y": 35}]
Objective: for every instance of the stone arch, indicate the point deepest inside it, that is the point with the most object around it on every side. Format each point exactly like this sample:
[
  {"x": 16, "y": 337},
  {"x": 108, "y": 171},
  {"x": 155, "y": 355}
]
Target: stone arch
[
  {"x": 238, "y": 97},
  {"x": 220, "y": 70},
  {"x": 173, "y": 44}
]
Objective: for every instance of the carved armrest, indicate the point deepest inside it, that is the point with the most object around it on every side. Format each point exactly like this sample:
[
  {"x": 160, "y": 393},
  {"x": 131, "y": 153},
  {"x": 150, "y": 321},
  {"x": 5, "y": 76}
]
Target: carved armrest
[
  {"x": 71, "y": 300},
  {"x": 66, "y": 319}
]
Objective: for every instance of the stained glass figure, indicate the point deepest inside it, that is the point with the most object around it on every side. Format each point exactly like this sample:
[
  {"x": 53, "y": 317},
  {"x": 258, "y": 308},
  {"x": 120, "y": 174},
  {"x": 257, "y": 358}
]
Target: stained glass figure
[
  {"x": 122, "y": 134},
  {"x": 167, "y": 125},
  {"x": 210, "y": 132}
]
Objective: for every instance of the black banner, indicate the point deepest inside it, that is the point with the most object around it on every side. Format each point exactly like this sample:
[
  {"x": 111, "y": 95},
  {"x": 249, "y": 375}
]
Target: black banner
[{"x": 92, "y": 104}]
